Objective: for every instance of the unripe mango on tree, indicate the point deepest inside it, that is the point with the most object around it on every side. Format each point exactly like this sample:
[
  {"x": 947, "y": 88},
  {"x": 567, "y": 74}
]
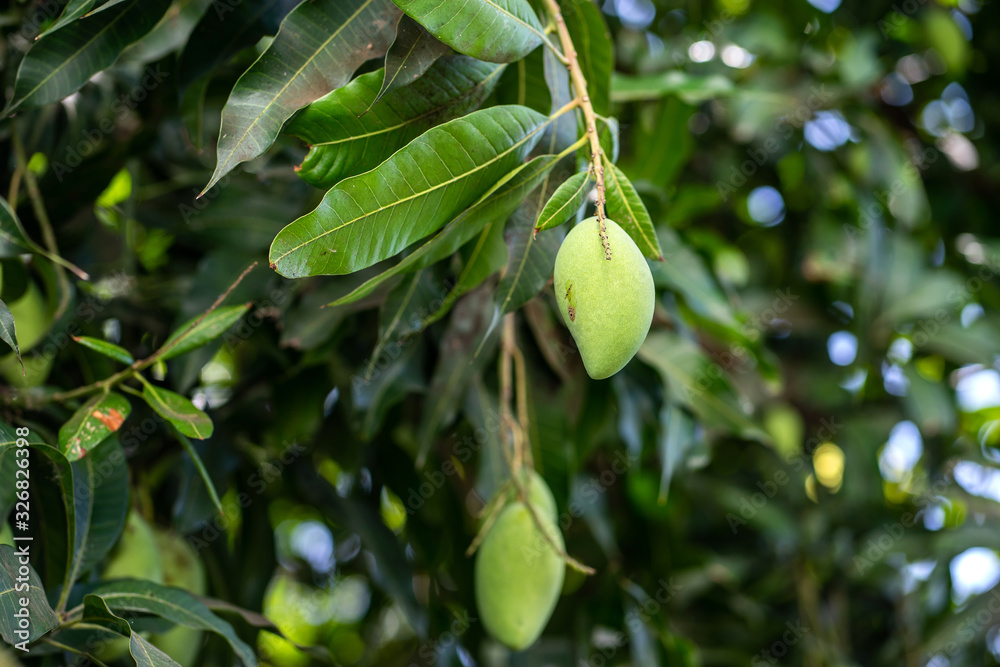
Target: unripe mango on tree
[
  {"x": 606, "y": 296},
  {"x": 518, "y": 573}
]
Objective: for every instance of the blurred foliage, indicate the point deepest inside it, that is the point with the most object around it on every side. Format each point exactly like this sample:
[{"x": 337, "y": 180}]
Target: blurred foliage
[{"x": 801, "y": 465}]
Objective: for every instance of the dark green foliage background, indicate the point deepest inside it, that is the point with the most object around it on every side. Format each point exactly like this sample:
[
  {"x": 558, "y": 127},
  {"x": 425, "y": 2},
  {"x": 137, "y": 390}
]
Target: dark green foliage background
[{"x": 717, "y": 537}]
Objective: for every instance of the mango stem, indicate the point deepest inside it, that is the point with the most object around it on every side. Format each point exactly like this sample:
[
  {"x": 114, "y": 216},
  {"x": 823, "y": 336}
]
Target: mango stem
[{"x": 590, "y": 118}]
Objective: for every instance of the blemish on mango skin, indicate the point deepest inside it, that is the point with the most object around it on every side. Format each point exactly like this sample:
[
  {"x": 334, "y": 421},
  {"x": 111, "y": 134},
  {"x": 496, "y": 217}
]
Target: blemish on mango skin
[{"x": 570, "y": 301}]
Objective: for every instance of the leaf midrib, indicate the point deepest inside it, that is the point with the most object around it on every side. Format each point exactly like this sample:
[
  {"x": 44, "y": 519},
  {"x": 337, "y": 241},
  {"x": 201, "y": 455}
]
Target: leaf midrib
[
  {"x": 375, "y": 133},
  {"x": 294, "y": 77},
  {"x": 86, "y": 44},
  {"x": 635, "y": 219},
  {"x": 416, "y": 194}
]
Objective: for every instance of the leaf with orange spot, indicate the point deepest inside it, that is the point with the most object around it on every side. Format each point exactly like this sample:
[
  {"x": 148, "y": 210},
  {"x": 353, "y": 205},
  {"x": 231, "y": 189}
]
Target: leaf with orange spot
[{"x": 89, "y": 426}]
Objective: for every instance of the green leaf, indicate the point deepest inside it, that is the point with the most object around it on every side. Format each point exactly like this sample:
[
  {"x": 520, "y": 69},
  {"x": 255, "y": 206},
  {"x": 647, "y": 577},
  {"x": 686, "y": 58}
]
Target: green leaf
[
  {"x": 565, "y": 201},
  {"x": 179, "y": 411},
  {"x": 8, "y": 333},
  {"x": 403, "y": 310},
  {"x": 42, "y": 618},
  {"x": 524, "y": 83},
  {"x": 348, "y": 134},
  {"x": 13, "y": 240},
  {"x": 172, "y": 604},
  {"x": 214, "y": 325},
  {"x": 667, "y": 144},
  {"x": 482, "y": 257},
  {"x": 224, "y": 30},
  {"x": 499, "y": 31},
  {"x": 530, "y": 256},
  {"x": 471, "y": 323},
  {"x": 371, "y": 217},
  {"x": 99, "y": 502},
  {"x": 316, "y": 50},
  {"x": 625, "y": 207},
  {"x": 698, "y": 383},
  {"x": 690, "y": 88},
  {"x": 96, "y": 611},
  {"x": 98, "y": 418},
  {"x": 412, "y": 52},
  {"x": 594, "y": 50},
  {"x": 60, "y": 62},
  {"x": 116, "y": 352},
  {"x": 73, "y": 10},
  {"x": 388, "y": 385},
  {"x": 497, "y": 204},
  {"x": 677, "y": 439},
  {"x": 683, "y": 271},
  {"x": 530, "y": 259}
]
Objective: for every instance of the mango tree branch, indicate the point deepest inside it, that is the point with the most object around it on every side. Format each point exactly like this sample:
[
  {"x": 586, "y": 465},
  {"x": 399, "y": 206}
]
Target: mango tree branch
[{"x": 589, "y": 117}]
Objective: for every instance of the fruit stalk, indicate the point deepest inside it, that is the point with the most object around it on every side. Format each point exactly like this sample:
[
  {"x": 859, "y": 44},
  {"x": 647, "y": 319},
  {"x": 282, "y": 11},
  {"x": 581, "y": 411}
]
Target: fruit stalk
[{"x": 589, "y": 117}]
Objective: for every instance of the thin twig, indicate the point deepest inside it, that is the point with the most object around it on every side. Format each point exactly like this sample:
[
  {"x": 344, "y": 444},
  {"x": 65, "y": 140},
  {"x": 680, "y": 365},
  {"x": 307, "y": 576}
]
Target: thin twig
[
  {"x": 222, "y": 297},
  {"x": 48, "y": 236},
  {"x": 133, "y": 370}
]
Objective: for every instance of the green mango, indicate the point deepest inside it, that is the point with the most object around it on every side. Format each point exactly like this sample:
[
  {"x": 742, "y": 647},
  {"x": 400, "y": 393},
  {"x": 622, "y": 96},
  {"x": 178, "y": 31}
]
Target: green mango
[
  {"x": 607, "y": 304},
  {"x": 137, "y": 555},
  {"x": 539, "y": 495},
  {"x": 182, "y": 568},
  {"x": 518, "y": 576}
]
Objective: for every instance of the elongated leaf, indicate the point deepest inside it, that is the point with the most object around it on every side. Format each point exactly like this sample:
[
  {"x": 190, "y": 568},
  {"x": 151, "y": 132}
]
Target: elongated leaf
[
  {"x": 214, "y": 325},
  {"x": 625, "y": 207},
  {"x": 524, "y": 83},
  {"x": 684, "y": 271},
  {"x": 565, "y": 201},
  {"x": 594, "y": 49},
  {"x": 111, "y": 350},
  {"x": 497, "y": 204},
  {"x": 694, "y": 380},
  {"x": 98, "y": 418},
  {"x": 403, "y": 310},
  {"x": 100, "y": 503},
  {"x": 96, "y": 611},
  {"x": 172, "y": 604},
  {"x": 395, "y": 375},
  {"x": 373, "y": 216},
  {"x": 13, "y": 588},
  {"x": 669, "y": 144},
  {"x": 73, "y": 10},
  {"x": 179, "y": 411},
  {"x": 530, "y": 256},
  {"x": 224, "y": 30},
  {"x": 345, "y": 139},
  {"x": 8, "y": 332},
  {"x": 677, "y": 438},
  {"x": 470, "y": 326},
  {"x": 690, "y": 88},
  {"x": 499, "y": 31},
  {"x": 530, "y": 259},
  {"x": 60, "y": 62},
  {"x": 412, "y": 52},
  {"x": 13, "y": 240},
  {"x": 482, "y": 257},
  {"x": 317, "y": 48}
]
